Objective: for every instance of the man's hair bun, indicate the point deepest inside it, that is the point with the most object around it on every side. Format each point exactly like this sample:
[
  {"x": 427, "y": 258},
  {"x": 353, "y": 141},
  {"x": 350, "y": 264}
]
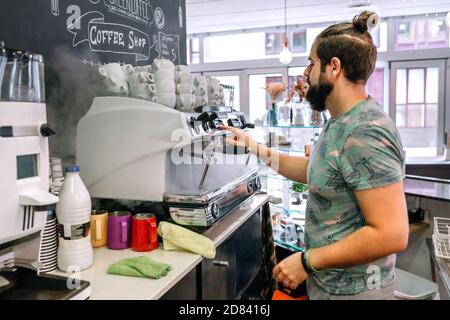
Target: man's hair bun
[{"x": 365, "y": 20}]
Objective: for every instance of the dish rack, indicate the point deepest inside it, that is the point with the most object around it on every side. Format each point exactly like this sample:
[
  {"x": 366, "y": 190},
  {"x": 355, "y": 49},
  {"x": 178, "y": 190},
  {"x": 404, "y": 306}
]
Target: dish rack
[{"x": 441, "y": 237}]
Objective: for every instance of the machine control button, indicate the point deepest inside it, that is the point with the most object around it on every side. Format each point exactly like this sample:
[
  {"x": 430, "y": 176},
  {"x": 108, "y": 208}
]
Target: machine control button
[
  {"x": 46, "y": 131},
  {"x": 234, "y": 123},
  {"x": 205, "y": 126}
]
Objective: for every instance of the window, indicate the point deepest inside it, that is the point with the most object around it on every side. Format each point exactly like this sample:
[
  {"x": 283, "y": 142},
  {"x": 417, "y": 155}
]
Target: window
[
  {"x": 234, "y": 47},
  {"x": 375, "y": 85},
  {"x": 417, "y": 97},
  {"x": 423, "y": 33},
  {"x": 416, "y": 101},
  {"x": 299, "y": 41},
  {"x": 273, "y": 42},
  {"x": 193, "y": 50}
]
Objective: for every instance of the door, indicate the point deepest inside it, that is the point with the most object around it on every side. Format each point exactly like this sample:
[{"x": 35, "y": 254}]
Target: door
[{"x": 417, "y": 105}]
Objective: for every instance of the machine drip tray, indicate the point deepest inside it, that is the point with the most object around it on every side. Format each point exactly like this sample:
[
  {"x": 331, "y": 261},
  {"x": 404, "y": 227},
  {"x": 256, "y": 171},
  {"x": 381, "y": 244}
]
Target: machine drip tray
[{"x": 25, "y": 284}]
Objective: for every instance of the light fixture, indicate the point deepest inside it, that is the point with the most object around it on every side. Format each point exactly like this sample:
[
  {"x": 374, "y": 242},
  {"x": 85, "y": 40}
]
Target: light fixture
[
  {"x": 447, "y": 19},
  {"x": 285, "y": 56}
]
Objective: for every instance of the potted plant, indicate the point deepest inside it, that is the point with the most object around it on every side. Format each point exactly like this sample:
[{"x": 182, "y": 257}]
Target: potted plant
[{"x": 298, "y": 192}]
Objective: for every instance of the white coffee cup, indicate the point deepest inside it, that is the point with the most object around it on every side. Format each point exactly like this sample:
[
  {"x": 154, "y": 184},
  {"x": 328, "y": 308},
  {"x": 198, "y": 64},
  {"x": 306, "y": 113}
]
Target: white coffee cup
[
  {"x": 213, "y": 82},
  {"x": 119, "y": 89},
  {"x": 163, "y": 64},
  {"x": 165, "y": 86},
  {"x": 200, "y": 81},
  {"x": 214, "y": 88},
  {"x": 182, "y": 77},
  {"x": 112, "y": 74},
  {"x": 168, "y": 100},
  {"x": 184, "y": 88},
  {"x": 200, "y": 91},
  {"x": 140, "y": 77},
  {"x": 127, "y": 69},
  {"x": 186, "y": 101},
  {"x": 147, "y": 68},
  {"x": 182, "y": 68},
  {"x": 213, "y": 96},
  {"x": 143, "y": 90},
  {"x": 163, "y": 74},
  {"x": 200, "y": 101},
  {"x": 111, "y": 69}
]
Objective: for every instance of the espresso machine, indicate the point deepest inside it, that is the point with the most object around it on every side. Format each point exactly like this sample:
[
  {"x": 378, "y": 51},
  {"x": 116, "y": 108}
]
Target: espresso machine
[
  {"x": 24, "y": 180},
  {"x": 140, "y": 155}
]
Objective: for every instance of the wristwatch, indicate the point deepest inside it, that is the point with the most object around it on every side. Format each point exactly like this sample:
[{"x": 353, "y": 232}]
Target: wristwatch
[{"x": 305, "y": 263}]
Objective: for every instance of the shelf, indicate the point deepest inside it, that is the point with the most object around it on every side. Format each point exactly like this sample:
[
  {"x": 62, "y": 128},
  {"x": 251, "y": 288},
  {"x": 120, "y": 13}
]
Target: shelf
[
  {"x": 288, "y": 246},
  {"x": 274, "y": 176},
  {"x": 287, "y": 149},
  {"x": 288, "y": 211}
]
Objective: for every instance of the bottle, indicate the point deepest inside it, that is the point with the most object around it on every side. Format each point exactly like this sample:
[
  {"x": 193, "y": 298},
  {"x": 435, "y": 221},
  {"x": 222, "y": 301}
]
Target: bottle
[
  {"x": 290, "y": 232},
  {"x": 73, "y": 213}
]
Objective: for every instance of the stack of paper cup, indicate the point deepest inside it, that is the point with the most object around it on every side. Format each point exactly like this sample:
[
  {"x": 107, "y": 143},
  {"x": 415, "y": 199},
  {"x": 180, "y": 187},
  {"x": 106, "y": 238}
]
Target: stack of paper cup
[
  {"x": 56, "y": 175},
  {"x": 49, "y": 244},
  {"x": 184, "y": 89},
  {"x": 200, "y": 90},
  {"x": 164, "y": 82},
  {"x": 114, "y": 77}
]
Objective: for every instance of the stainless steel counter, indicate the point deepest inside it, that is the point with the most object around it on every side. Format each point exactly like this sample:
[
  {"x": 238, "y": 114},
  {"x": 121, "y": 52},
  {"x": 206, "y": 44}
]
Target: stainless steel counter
[{"x": 431, "y": 188}]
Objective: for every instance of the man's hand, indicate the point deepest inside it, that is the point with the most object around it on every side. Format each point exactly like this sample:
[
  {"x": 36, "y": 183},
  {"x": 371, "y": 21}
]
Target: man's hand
[
  {"x": 239, "y": 138},
  {"x": 290, "y": 271}
]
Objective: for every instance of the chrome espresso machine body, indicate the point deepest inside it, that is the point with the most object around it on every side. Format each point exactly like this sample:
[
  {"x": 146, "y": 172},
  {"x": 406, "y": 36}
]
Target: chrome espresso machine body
[
  {"x": 140, "y": 155},
  {"x": 24, "y": 179}
]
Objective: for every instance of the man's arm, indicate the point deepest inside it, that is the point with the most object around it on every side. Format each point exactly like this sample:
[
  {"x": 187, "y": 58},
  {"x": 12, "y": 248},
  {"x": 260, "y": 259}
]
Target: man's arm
[
  {"x": 386, "y": 232},
  {"x": 293, "y": 168}
]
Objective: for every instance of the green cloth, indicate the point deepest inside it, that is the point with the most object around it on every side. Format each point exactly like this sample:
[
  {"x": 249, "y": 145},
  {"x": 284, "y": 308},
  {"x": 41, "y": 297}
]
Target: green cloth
[
  {"x": 179, "y": 238},
  {"x": 140, "y": 267}
]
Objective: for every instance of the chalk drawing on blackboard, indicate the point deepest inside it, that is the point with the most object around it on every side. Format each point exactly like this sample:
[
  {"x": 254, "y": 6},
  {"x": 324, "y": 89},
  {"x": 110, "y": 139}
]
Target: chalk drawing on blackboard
[
  {"x": 54, "y": 5},
  {"x": 180, "y": 15},
  {"x": 110, "y": 37},
  {"x": 169, "y": 47},
  {"x": 94, "y": 1},
  {"x": 136, "y": 10},
  {"x": 81, "y": 24},
  {"x": 158, "y": 17}
]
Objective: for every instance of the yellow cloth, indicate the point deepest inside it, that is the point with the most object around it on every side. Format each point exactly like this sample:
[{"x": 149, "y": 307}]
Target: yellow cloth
[{"x": 179, "y": 238}]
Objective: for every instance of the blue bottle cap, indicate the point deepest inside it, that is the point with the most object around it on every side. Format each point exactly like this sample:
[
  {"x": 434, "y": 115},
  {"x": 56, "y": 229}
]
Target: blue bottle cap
[{"x": 72, "y": 169}]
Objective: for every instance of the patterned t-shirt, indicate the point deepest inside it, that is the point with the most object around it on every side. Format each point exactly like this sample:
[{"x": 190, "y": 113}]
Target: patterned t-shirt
[{"x": 361, "y": 149}]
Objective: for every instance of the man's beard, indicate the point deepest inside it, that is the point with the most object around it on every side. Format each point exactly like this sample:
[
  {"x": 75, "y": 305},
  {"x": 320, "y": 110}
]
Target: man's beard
[{"x": 317, "y": 94}]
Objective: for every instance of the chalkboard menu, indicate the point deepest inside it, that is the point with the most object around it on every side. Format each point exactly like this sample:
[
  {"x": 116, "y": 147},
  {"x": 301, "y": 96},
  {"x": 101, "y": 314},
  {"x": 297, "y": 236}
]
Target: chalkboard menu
[
  {"x": 126, "y": 31},
  {"x": 76, "y": 36}
]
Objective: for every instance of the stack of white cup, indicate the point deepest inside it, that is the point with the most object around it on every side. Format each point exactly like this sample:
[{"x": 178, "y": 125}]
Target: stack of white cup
[
  {"x": 184, "y": 89},
  {"x": 215, "y": 92},
  {"x": 164, "y": 81},
  {"x": 200, "y": 90},
  {"x": 141, "y": 84},
  {"x": 114, "y": 77}
]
